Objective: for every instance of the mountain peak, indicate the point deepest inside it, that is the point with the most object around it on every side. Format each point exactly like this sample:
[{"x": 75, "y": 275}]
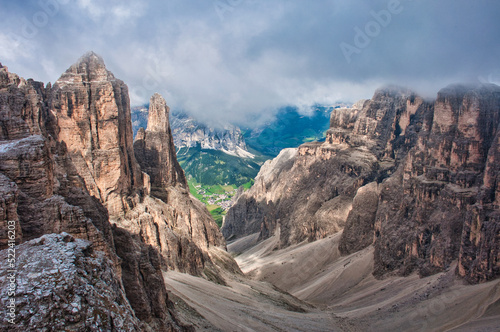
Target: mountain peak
[
  {"x": 158, "y": 114},
  {"x": 92, "y": 60},
  {"x": 90, "y": 67}
]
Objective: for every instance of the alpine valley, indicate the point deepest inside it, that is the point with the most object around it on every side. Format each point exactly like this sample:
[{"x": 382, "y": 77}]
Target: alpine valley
[
  {"x": 220, "y": 159},
  {"x": 388, "y": 221}
]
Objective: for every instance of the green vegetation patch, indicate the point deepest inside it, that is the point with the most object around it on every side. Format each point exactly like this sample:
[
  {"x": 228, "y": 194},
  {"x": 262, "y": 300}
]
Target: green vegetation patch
[{"x": 213, "y": 167}]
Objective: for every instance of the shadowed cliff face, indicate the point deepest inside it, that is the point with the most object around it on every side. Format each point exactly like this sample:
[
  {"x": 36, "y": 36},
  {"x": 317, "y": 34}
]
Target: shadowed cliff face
[
  {"x": 310, "y": 192},
  {"x": 67, "y": 163},
  {"x": 447, "y": 190},
  {"x": 41, "y": 189},
  {"x": 173, "y": 221},
  {"x": 418, "y": 180}
]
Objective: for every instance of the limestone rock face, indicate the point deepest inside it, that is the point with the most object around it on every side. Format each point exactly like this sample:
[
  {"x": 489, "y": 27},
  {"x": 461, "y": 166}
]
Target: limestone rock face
[
  {"x": 9, "y": 194},
  {"x": 310, "y": 195},
  {"x": 45, "y": 191},
  {"x": 361, "y": 217},
  {"x": 155, "y": 151},
  {"x": 417, "y": 179},
  {"x": 93, "y": 117},
  {"x": 246, "y": 216},
  {"x": 77, "y": 286},
  {"x": 151, "y": 234},
  {"x": 479, "y": 258},
  {"x": 67, "y": 164},
  {"x": 448, "y": 204},
  {"x": 171, "y": 220}
]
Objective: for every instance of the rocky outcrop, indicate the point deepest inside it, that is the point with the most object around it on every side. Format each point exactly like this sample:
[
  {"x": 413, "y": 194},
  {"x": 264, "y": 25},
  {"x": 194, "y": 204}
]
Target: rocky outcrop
[
  {"x": 168, "y": 230},
  {"x": 44, "y": 188},
  {"x": 43, "y": 183},
  {"x": 359, "y": 226},
  {"x": 313, "y": 193},
  {"x": 183, "y": 230},
  {"x": 418, "y": 180},
  {"x": 155, "y": 151},
  {"x": 446, "y": 208},
  {"x": 67, "y": 164},
  {"x": 62, "y": 281},
  {"x": 93, "y": 121},
  {"x": 248, "y": 214},
  {"x": 9, "y": 194}
]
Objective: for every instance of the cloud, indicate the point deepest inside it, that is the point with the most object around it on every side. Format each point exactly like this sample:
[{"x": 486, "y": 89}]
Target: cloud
[{"x": 233, "y": 60}]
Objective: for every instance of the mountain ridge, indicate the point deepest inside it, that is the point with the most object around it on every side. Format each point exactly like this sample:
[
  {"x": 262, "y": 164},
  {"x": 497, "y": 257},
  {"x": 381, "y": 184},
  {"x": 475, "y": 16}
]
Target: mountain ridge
[
  {"x": 376, "y": 156},
  {"x": 68, "y": 165}
]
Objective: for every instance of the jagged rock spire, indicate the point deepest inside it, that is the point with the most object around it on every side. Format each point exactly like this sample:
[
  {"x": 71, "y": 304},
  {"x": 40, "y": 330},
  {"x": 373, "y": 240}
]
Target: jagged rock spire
[
  {"x": 155, "y": 151},
  {"x": 158, "y": 114}
]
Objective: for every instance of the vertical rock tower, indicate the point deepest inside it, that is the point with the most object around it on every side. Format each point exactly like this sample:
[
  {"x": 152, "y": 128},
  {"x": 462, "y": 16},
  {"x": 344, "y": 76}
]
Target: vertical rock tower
[
  {"x": 155, "y": 151},
  {"x": 67, "y": 164},
  {"x": 93, "y": 117}
]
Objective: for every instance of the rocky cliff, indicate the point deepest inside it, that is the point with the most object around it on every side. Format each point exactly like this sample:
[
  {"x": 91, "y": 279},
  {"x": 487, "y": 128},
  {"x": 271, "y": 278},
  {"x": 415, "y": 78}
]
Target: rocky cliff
[
  {"x": 67, "y": 164},
  {"x": 94, "y": 122},
  {"x": 447, "y": 189},
  {"x": 310, "y": 192},
  {"x": 155, "y": 151},
  {"x": 171, "y": 219},
  {"x": 416, "y": 179},
  {"x": 71, "y": 284}
]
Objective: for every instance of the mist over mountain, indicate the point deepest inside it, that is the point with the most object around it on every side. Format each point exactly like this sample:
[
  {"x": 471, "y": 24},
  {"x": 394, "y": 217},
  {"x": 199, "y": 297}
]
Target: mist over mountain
[
  {"x": 250, "y": 165},
  {"x": 228, "y": 60},
  {"x": 389, "y": 223}
]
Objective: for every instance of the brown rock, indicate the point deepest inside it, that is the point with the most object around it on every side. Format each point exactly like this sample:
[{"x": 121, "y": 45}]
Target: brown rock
[
  {"x": 9, "y": 218},
  {"x": 364, "y": 144},
  {"x": 65, "y": 283},
  {"x": 32, "y": 160},
  {"x": 359, "y": 231},
  {"x": 68, "y": 165},
  {"x": 436, "y": 169},
  {"x": 155, "y": 151},
  {"x": 93, "y": 117},
  {"x": 175, "y": 222},
  {"x": 440, "y": 184}
]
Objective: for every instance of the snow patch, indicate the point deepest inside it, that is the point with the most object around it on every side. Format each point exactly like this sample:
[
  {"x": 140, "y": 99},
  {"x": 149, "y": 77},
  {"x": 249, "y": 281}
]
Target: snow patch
[{"x": 7, "y": 146}]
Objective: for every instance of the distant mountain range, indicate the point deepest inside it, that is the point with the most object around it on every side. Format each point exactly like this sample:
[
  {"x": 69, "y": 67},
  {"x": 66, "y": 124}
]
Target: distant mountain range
[
  {"x": 189, "y": 133},
  {"x": 289, "y": 128}
]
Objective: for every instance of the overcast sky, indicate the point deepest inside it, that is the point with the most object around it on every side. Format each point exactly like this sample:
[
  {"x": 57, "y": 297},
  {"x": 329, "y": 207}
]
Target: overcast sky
[{"x": 226, "y": 59}]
